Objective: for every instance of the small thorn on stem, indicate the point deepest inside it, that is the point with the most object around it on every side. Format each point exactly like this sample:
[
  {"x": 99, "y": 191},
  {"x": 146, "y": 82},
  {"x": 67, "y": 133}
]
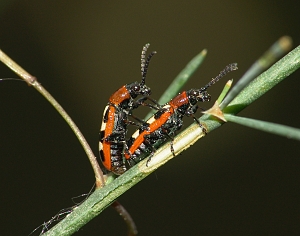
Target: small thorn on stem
[{"x": 216, "y": 112}]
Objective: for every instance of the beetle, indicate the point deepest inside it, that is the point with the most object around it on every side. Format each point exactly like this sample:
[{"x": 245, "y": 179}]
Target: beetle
[
  {"x": 112, "y": 135},
  {"x": 169, "y": 119}
]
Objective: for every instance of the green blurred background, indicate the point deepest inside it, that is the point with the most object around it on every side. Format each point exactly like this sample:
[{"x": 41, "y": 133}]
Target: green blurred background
[{"x": 236, "y": 181}]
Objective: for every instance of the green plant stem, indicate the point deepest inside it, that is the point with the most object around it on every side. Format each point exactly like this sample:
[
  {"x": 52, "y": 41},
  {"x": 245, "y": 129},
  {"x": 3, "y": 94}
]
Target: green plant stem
[
  {"x": 263, "y": 83},
  {"x": 181, "y": 79},
  {"x": 282, "y": 130},
  {"x": 101, "y": 198},
  {"x": 225, "y": 90},
  {"x": 276, "y": 51},
  {"x": 32, "y": 81}
]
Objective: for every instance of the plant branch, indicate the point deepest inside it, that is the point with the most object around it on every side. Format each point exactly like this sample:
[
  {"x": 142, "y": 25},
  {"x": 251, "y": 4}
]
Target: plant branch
[
  {"x": 276, "y": 51},
  {"x": 31, "y": 80},
  {"x": 259, "y": 86},
  {"x": 101, "y": 198}
]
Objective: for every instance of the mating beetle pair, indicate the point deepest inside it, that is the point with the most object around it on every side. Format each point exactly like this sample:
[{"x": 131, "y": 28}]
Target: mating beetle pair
[{"x": 115, "y": 149}]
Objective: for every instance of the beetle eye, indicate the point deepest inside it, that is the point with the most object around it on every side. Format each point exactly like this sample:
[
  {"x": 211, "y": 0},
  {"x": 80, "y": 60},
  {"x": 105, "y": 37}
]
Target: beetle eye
[
  {"x": 203, "y": 97},
  {"x": 195, "y": 93},
  {"x": 136, "y": 88},
  {"x": 146, "y": 91},
  {"x": 207, "y": 97}
]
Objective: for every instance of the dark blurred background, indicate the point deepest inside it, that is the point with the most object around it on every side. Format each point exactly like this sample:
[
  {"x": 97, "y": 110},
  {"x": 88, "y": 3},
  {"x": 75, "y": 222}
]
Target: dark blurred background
[{"x": 236, "y": 181}]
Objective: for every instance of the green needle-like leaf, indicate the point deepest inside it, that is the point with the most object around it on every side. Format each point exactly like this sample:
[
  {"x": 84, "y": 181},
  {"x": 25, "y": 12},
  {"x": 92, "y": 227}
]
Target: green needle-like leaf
[
  {"x": 263, "y": 83},
  {"x": 225, "y": 90},
  {"x": 276, "y": 51},
  {"x": 282, "y": 130},
  {"x": 181, "y": 79}
]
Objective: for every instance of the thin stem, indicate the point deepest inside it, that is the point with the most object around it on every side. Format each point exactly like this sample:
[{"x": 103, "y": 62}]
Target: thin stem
[
  {"x": 282, "y": 130},
  {"x": 132, "y": 229},
  {"x": 31, "y": 80},
  {"x": 259, "y": 86},
  {"x": 181, "y": 79},
  {"x": 276, "y": 51},
  {"x": 225, "y": 90}
]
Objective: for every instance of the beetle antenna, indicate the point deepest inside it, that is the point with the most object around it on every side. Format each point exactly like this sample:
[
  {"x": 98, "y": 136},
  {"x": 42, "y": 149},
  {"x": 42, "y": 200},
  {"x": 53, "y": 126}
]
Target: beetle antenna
[
  {"x": 145, "y": 62},
  {"x": 229, "y": 68}
]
